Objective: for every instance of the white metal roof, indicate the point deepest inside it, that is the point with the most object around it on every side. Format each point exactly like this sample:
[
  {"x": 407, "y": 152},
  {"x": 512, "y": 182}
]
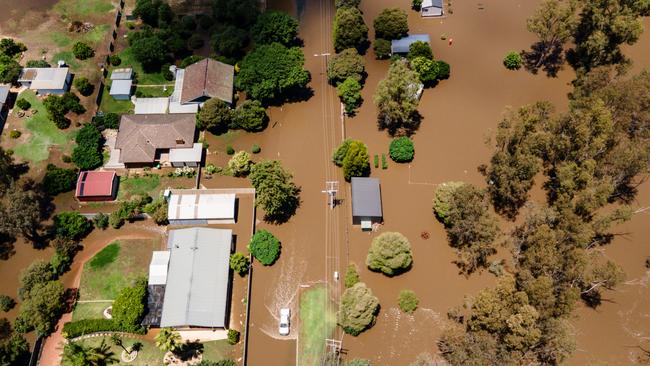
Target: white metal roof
[
  {"x": 122, "y": 74},
  {"x": 184, "y": 155},
  {"x": 49, "y": 78},
  {"x": 121, "y": 87},
  {"x": 158, "y": 268},
  {"x": 151, "y": 105},
  {"x": 198, "y": 279},
  {"x": 196, "y": 204}
]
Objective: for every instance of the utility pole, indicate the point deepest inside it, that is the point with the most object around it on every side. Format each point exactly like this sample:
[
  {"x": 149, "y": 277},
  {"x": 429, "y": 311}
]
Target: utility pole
[{"x": 331, "y": 188}]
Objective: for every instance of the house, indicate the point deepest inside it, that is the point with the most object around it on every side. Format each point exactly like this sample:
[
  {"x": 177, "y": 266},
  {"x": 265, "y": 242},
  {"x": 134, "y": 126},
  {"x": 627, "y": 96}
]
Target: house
[
  {"x": 205, "y": 79},
  {"x": 4, "y": 98},
  {"x": 46, "y": 80},
  {"x": 197, "y": 288},
  {"x": 431, "y": 8},
  {"x": 148, "y": 139},
  {"x": 96, "y": 186},
  {"x": 401, "y": 46},
  {"x": 200, "y": 206},
  {"x": 366, "y": 202},
  {"x": 121, "y": 84}
]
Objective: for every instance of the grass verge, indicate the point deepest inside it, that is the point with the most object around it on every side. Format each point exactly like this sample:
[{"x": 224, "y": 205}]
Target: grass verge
[{"x": 314, "y": 327}]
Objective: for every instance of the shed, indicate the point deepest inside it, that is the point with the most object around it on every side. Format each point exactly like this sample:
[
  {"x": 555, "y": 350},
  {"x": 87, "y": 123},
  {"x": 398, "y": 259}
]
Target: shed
[
  {"x": 366, "y": 202},
  {"x": 197, "y": 293},
  {"x": 401, "y": 46},
  {"x": 122, "y": 74},
  {"x": 158, "y": 268},
  {"x": 431, "y": 8},
  {"x": 121, "y": 89},
  {"x": 201, "y": 206},
  {"x": 97, "y": 186},
  {"x": 187, "y": 157}
]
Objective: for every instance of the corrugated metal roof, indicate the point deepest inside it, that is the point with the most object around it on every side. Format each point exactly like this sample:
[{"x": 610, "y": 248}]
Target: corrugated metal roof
[
  {"x": 193, "y": 204},
  {"x": 402, "y": 45},
  {"x": 4, "y": 93},
  {"x": 121, "y": 87},
  {"x": 432, "y": 3},
  {"x": 151, "y": 105},
  {"x": 198, "y": 278},
  {"x": 122, "y": 74},
  {"x": 185, "y": 155},
  {"x": 366, "y": 197},
  {"x": 95, "y": 184},
  {"x": 158, "y": 268},
  {"x": 47, "y": 78}
]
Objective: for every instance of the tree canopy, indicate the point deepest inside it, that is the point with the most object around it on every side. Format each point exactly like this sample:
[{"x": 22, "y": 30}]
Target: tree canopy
[
  {"x": 215, "y": 116},
  {"x": 347, "y": 64},
  {"x": 350, "y": 31},
  {"x": 71, "y": 225},
  {"x": 275, "y": 26},
  {"x": 358, "y": 310},
  {"x": 265, "y": 247},
  {"x": 391, "y": 23},
  {"x": 397, "y": 100},
  {"x": 390, "y": 253},
  {"x": 276, "y": 192},
  {"x": 87, "y": 155},
  {"x": 352, "y": 156}
]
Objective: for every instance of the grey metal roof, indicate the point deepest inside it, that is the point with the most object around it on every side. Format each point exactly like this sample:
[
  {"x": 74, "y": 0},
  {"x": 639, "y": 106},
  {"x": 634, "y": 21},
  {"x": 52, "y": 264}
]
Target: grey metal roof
[
  {"x": 122, "y": 74},
  {"x": 4, "y": 93},
  {"x": 402, "y": 45},
  {"x": 121, "y": 87},
  {"x": 198, "y": 278},
  {"x": 432, "y": 3},
  {"x": 366, "y": 197}
]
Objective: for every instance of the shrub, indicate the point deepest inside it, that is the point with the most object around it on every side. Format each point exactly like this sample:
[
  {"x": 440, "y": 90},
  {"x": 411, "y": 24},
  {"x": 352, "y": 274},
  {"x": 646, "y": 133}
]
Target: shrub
[
  {"x": 111, "y": 121},
  {"x": 416, "y": 4},
  {"x": 349, "y": 92},
  {"x": 420, "y": 49},
  {"x": 347, "y": 3},
  {"x": 58, "y": 180},
  {"x": 384, "y": 163},
  {"x": 265, "y": 247},
  {"x": 407, "y": 301},
  {"x": 256, "y": 149},
  {"x": 376, "y": 161},
  {"x": 357, "y": 362},
  {"x": 347, "y": 64},
  {"x": 240, "y": 164},
  {"x": 114, "y": 60},
  {"x": 166, "y": 72},
  {"x": 6, "y": 303},
  {"x": 358, "y": 310},
  {"x": 129, "y": 306},
  {"x": 401, "y": 150},
  {"x": 23, "y": 104},
  {"x": 101, "y": 221},
  {"x": 14, "y": 134},
  {"x": 82, "y": 51},
  {"x": 84, "y": 86},
  {"x": 239, "y": 263},
  {"x": 71, "y": 225},
  {"x": 390, "y": 253},
  {"x": 382, "y": 49},
  {"x": 230, "y": 150},
  {"x": 88, "y": 326},
  {"x": 351, "y": 275},
  {"x": 444, "y": 70},
  {"x": 233, "y": 337},
  {"x": 157, "y": 209},
  {"x": 513, "y": 61},
  {"x": 391, "y": 24}
]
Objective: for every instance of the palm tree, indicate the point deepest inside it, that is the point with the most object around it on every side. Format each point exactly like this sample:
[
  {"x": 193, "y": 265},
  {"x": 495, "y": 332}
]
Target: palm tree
[
  {"x": 168, "y": 340},
  {"x": 102, "y": 355},
  {"x": 117, "y": 340},
  {"x": 79, "y": 355}
]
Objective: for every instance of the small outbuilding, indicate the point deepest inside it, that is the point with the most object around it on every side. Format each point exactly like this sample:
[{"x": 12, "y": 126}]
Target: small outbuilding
[
  {"x": 122, "y": 74},
  {"x": 186, "y": 157},
  {"x": 200, "y": 207},
  {"x": 121, "y": 89},
  {"x": 366, "y": 202},
  {"x": 401, "y": 46},
  {"x": 432, "y": 8},
  {"x": 158, "y": 268},
  {"x": 97, "y": 186},
  {"x": 4, "y": 96}
]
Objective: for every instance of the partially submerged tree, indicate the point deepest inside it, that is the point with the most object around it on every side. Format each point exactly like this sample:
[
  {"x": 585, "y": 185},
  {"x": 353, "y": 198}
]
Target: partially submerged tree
[
  {"x": 265, "y": 247},
  {"x": 391, "y": 23},
  {"x": 347, "y": 64},
  {"x": 397, "y": 99},
  {"x": 353, "y": 157},
  {"x": 275, "y": 26},
  {"x": 350, "y": 31},
  {"x": 276, "y": 192},
  {"x": 390, "y": 253},
  {"x": 358, "y": 310}
]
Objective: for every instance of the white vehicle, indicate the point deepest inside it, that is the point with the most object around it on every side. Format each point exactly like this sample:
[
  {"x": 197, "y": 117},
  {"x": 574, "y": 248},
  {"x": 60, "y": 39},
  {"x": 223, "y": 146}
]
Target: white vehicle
[{"x": 285, "y": 315}]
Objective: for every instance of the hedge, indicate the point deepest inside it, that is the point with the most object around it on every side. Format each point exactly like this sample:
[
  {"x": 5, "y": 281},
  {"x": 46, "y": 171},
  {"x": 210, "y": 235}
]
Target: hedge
[{"x": 89, "y": 326}]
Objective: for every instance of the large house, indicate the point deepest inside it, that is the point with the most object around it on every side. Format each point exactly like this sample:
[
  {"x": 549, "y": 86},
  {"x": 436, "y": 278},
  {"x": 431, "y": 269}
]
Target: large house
[
  {"x": 189, "y": 284},
  {"x": 205, "y": 79},
  {"x": 46, "y": 80},
  {"x": 165, "y": 139}
]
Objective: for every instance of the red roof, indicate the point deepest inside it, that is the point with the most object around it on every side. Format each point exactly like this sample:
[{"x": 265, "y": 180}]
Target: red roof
[{"x": 95, "y": 183}]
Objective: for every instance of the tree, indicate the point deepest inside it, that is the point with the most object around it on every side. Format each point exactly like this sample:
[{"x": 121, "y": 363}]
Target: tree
[
  {"x": 14, "y": 350},
  {"x": 352, "y": 156},
  {"x": 242, "y": 12},
  {"x": 351, "y": 275},
  {"x": 275, "y": 26},
  {"x": 87, "y": 155},
  {"x": 71, "y": 225},
  {"x": 471, "y": 228},
  {"x": 390, "y": 253},
  {"x": 23, "y": 104},
  {"x": 391, "y": 23},
  {"x": 215, "y": 116},
  {"x": 239, "y": 263},
  {"x": 349, "y": 91},
  {"x": 6, "y": 303},
  {"x": 9, "y": 47},
  {"x": 37, "y": 272},
  {"x": 347, "y": 64},
  {"x": 444, "y": 70},
  {"x": 358, "y": 310},
  {"x": 78, "y": 354},
  {"x": 350, "y": 31},
  {"x": 240, "y": 164},
  {"x": 397, "y": 100},
  {"x": 58, "y": 180},
  {"x": 167, "y": 340},
  {"x": 427, "y": 70},
  {"x": 148, "y": 11},
  {"x": 382, "y": 48},
  {"x": 272, "y": 72},
  {"x": 275, "y": 190},
  {"x": 347, "y": 3},
  {"x": 407, "y": 301},
  {"x": 230, "y": 41},
  {"x": 58, "y": 106},
  {"x": 23, "y": 211},
  {"x": 84, "y": 86},
  {"x": 64, "y": 252},
  {"x": 265, "y": 247},
  {"x": 513, "y": 61},
  {"x": 8, "y": 171},
  {"x": 130, "y": 305},
  {"x": 420, "y": 49},
  {"x": 151, "y": 52},
  {"x": 9, "y": 69},
  {"x": 157, "y": 209},
  {"x": 41, "y": 308},
  {"x": 82, "y": 51},
  {"x": 401, "y": 150},
  {"x": 251, "y": 116}
]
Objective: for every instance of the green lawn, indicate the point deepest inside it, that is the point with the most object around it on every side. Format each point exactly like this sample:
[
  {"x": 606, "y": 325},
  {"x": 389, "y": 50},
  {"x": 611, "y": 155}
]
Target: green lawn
[
  {"x": 89, "y": 310},
  {"x": 44, "y": 133},
  {"x": 154, "y": 91},
  {"x": 314, "y": 327},
  {"x": 110, "y": 105},
  {"x": 69, "y": 59},
  {"x": 217, "y": 350},
  {"x": 143, "y": 78},
  {"x": 130, "y": 186},
  {"x": 150, "y": 355},
  {"x": 79, "y": 8},
  {"x": 114, "y": 268}
]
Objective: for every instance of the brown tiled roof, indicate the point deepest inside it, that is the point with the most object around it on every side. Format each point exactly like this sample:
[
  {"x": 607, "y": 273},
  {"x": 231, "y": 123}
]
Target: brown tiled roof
[
  {"x": 140, "y": 135},
  {"x": 208, "y": 78}
]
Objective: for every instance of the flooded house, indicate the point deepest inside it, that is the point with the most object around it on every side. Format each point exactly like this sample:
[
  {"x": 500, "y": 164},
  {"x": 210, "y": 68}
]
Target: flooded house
[
  {"x": 199, "y": 82},
  {"x": 200, "y": 207},
  {"x": 401, "y": 46},
  {"x": 366, "y": 202},
  {"x": 431, "y": 8}
]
